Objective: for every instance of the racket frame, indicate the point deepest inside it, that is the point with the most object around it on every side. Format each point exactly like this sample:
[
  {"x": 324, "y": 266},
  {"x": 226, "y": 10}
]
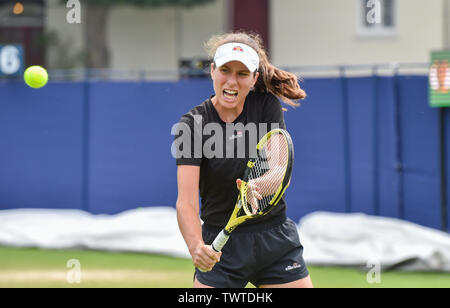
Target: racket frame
[{"x": 240, "y": 213}]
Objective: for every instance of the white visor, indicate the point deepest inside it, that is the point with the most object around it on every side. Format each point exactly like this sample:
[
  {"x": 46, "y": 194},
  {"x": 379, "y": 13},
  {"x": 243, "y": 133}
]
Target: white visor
[{"x": 237, "y": 52}]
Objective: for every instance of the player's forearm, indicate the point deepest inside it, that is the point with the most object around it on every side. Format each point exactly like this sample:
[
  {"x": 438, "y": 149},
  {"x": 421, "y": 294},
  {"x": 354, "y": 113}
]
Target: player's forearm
[{"x": 190, "y": 225}]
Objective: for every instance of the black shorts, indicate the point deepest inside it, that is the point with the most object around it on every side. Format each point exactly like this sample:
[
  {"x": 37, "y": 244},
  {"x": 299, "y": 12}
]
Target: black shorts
[{"x": 259, "y": 254}]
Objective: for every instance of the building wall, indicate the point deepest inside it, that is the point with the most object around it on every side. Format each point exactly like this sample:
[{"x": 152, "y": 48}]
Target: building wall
[
  {"x": 155, "y": 39},
  {"x": 323, "y": 32},
  {"x": 302, "y": 32},
  {"x": 144, "y": 38}
]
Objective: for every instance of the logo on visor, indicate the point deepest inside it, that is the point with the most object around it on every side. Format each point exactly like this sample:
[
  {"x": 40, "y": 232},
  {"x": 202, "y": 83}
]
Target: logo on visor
[{"x": 237, "y": 48}]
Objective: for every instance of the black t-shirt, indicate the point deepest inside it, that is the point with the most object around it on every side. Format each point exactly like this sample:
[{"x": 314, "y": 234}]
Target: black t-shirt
[{"x": 221, "y": 165}]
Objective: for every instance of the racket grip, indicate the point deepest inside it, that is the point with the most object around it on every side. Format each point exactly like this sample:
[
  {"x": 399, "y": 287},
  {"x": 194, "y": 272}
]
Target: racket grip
[{"x": 220, "y": 241}]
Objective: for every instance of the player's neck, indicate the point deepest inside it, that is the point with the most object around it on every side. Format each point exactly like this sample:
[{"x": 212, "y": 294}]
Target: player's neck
[{"x": 227, "y": 115}]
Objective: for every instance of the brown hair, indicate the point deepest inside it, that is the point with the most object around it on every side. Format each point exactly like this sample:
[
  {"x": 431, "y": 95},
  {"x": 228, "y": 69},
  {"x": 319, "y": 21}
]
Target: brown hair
[{"x": 271, "y": 79}]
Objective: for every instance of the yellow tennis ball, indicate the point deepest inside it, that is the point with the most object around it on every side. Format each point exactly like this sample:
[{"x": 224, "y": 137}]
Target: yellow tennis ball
[{"x": 35, "y": 76}]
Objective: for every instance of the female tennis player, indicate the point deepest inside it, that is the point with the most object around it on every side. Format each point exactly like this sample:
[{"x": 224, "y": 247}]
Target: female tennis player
[{"x": 266, "y": 252}]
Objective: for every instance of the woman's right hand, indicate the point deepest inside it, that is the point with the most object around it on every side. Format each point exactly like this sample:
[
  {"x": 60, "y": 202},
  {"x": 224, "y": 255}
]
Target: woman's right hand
[{"x": 205, "y": 257}]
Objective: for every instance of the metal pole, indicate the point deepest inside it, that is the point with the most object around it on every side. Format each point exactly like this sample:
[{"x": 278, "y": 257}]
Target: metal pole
[
  {"x": 375, "y": 149},
  {"x": 441, "y": 123},
  {"x": 398, "y": 145},
  {"x": 346, "y": 142},
  {"x": 85, "y": 137},
  {"x": 443, "y": 163}
]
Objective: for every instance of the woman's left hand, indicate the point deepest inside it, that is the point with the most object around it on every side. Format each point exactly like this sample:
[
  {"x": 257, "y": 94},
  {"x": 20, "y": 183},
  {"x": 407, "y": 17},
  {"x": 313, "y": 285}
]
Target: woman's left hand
[{"x": 253, "y": 194}]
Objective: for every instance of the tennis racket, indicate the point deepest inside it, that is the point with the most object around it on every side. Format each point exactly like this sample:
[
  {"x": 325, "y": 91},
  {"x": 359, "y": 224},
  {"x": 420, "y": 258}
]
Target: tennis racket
[{"x": 265, "y": 180}]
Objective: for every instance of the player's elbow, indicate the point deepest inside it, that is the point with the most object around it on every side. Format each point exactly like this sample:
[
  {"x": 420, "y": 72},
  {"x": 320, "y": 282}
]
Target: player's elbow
[
  {"x": 179, "y": 204},
  {"x": 183, "y": 205}
]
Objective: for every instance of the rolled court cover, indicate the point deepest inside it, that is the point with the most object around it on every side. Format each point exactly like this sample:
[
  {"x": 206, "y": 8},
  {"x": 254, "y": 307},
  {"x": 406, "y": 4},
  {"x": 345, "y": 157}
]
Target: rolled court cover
[
  {"x": 328, "y": 238},
  {"x": 361, "y": 240}
]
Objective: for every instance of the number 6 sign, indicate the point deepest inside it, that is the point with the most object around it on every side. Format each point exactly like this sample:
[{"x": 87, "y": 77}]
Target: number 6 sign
[{"x": 11, "y": 60}]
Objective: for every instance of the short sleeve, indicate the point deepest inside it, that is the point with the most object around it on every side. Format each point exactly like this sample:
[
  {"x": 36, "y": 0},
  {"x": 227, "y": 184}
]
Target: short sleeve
[{"x": 187, "y": 145}]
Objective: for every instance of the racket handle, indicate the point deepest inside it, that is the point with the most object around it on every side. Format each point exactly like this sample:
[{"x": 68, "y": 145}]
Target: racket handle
[{"x": 220, "y": 241}]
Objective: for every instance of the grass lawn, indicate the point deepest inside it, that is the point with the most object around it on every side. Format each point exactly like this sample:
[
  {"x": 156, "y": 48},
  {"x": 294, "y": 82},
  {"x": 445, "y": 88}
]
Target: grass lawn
[{"x": 30, "y": 267}]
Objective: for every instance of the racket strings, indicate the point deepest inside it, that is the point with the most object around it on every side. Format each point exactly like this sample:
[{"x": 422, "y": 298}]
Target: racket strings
[
  {"x": 267, "y": 174},
  {"x": 261, "y": 167}
]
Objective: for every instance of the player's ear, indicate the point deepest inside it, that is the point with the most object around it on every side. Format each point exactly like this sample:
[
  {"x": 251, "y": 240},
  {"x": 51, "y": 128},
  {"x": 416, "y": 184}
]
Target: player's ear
[{"x": 256, "y": 78}]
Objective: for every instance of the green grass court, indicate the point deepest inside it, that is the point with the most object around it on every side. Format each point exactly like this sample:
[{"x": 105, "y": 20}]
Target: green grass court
[{"x": 30, "y": 267}]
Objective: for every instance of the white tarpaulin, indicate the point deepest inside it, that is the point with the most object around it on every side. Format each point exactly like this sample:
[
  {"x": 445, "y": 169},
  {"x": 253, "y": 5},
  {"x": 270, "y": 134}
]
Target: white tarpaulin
[
  {"x": 328, "y": 238},
  {"x": 153, "y": 230},
  {"x": 359, "y": 240}
]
